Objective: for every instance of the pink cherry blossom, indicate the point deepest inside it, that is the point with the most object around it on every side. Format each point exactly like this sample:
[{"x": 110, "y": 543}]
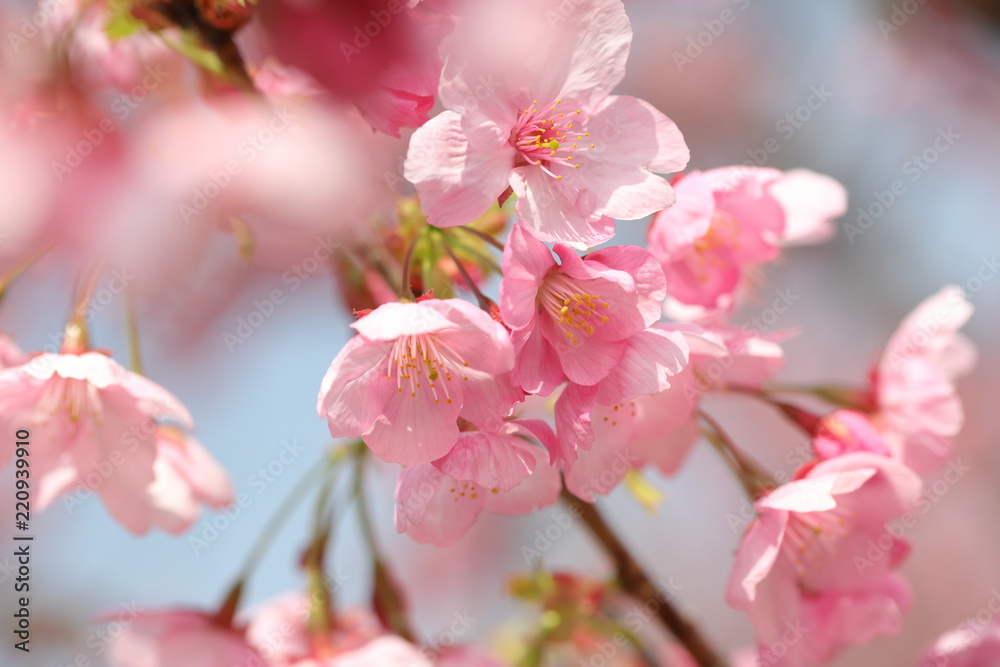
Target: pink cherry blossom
[
  {"x": 88, "y": 414},
  {"x": 575, "y": 156},
  {"x": 279, "y": 630},
  {"x": 848, "y": 431},
  {"x": 180, "y": 637},
  {"x": 729, "y": 221},
  {"x": 411, "y": 371},
  {"x": 808, "y": 559},
  {"x": 918, "y": 409},
  {"x": 184, "y": 476},
  {"x": 392, "y": 77},
  {"x": 384, "y": 651},
  {"x": 97, "y": 61},
  {"x": 574, "y": 319},
  {"x": 503, "y": 474},
  {"x": 969, "y": 645},
  {"x": 466, "y": 656},
  {"x": 10, "y": 353},
  {"x": 601, "y": 441}
]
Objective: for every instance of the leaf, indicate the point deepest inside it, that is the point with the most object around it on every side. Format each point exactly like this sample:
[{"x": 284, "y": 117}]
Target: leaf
[
  {"x": 121, "y": 23},
  {"x": 198, "y": 54}
]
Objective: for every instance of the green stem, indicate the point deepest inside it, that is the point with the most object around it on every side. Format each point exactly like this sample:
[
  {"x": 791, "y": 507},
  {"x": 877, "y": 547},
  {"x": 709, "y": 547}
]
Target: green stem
[
  {"x": 132, "y": 329},
  {"x": 388, "y": 599}
]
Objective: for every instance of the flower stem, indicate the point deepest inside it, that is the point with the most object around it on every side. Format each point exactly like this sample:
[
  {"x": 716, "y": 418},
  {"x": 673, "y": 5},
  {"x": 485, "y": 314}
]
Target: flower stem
[
  {"x": 637, "y": 584},
  {"x": 751, "y": 475},
  {"x": 484, "y": 236},
  {"x": 389, "y": 602},
  {"x": 485, "y": 302},
  {"x": 132, "y": 329},
  {"x": 273, "y": 527},
  {"x": 405, "y": 290}
]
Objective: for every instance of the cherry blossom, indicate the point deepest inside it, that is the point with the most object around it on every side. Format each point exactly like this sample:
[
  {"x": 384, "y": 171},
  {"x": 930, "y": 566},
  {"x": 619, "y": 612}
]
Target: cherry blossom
[
  {"x": 807, "y": 559},
  {"x": 411, "y": 371},
  {"x": 918, "y": 409},
  {"x": 88, "y": 414},
  {"x": 575, "y": 156},
  {"x": 437, "y": 503},
  {"x": 574, "y": 319},
  {"x": 729, "y": 221},
  {"x": 179, "y": 637}
]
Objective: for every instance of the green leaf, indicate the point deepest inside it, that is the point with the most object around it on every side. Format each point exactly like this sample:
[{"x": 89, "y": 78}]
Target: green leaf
[
  {"x": 120, "y": 22},
  {"x": 200, "y": 55}
]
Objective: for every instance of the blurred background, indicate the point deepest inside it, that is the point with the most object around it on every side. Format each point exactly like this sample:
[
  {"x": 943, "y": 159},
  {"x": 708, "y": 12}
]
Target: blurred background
[{"x": 859, "y": 90}]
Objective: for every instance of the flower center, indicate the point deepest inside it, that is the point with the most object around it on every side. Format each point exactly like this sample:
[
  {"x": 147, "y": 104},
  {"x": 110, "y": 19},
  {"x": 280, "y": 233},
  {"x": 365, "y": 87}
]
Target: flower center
[
  {"x": 423, "y": 362},
  {"x": 72, "y": 397},
  {"x": 722, "y": 233},
  {"x": 544, "y": 137},
  {"x": 574, "y": 308},
  {"x": 811, "y": 537}
]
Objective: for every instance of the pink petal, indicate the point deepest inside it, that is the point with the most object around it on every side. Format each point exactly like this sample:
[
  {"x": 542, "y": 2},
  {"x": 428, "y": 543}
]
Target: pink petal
[
  {"x": 650, "y": 358},
  {"x": 539, "y": 490},
  {"x": 526, "y": 261},
  {"x": 436, "y": 509},
  {"x": 492, "y": 461},
  {"x": 395, "y": 319},
  {"x": 477, "y": 339},
  {"x": 637, "y": 134},
  {"x": 674, "y": 230},
  {"x": 573, "y": 422},
  {"x": 645, "y": 270},
  {"x": 355, "y": 389},
  {"x": 132, "y": 467},
  {"x": 756, "y": 556},
  {"x": 459, "y": 167},
  {"x": 413, "y": 428},
  {"x": 488, "y": 399},
  {"x": 588, "y": 362},
  {"x": 537, "y": 368},
  {"x": 811, "y": 203},
  {"x": 555, "y": 212}
]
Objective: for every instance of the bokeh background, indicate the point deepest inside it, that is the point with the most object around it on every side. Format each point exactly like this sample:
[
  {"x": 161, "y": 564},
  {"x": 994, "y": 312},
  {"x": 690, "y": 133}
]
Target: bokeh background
[{"x": 854, "y": 89}]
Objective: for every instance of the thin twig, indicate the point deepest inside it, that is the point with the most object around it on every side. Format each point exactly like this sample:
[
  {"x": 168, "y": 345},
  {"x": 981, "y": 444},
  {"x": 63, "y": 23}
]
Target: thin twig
[{"x": 485, "y": 237}]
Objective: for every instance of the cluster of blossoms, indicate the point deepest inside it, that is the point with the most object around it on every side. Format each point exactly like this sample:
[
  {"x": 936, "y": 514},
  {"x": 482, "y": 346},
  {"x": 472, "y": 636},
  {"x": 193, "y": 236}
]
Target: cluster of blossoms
[{"x": 571, "y": 383}]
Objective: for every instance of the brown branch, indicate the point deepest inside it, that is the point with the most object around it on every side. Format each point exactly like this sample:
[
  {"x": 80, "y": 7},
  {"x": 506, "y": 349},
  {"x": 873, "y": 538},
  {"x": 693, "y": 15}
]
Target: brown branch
[{"x": 637, "y": 584}]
